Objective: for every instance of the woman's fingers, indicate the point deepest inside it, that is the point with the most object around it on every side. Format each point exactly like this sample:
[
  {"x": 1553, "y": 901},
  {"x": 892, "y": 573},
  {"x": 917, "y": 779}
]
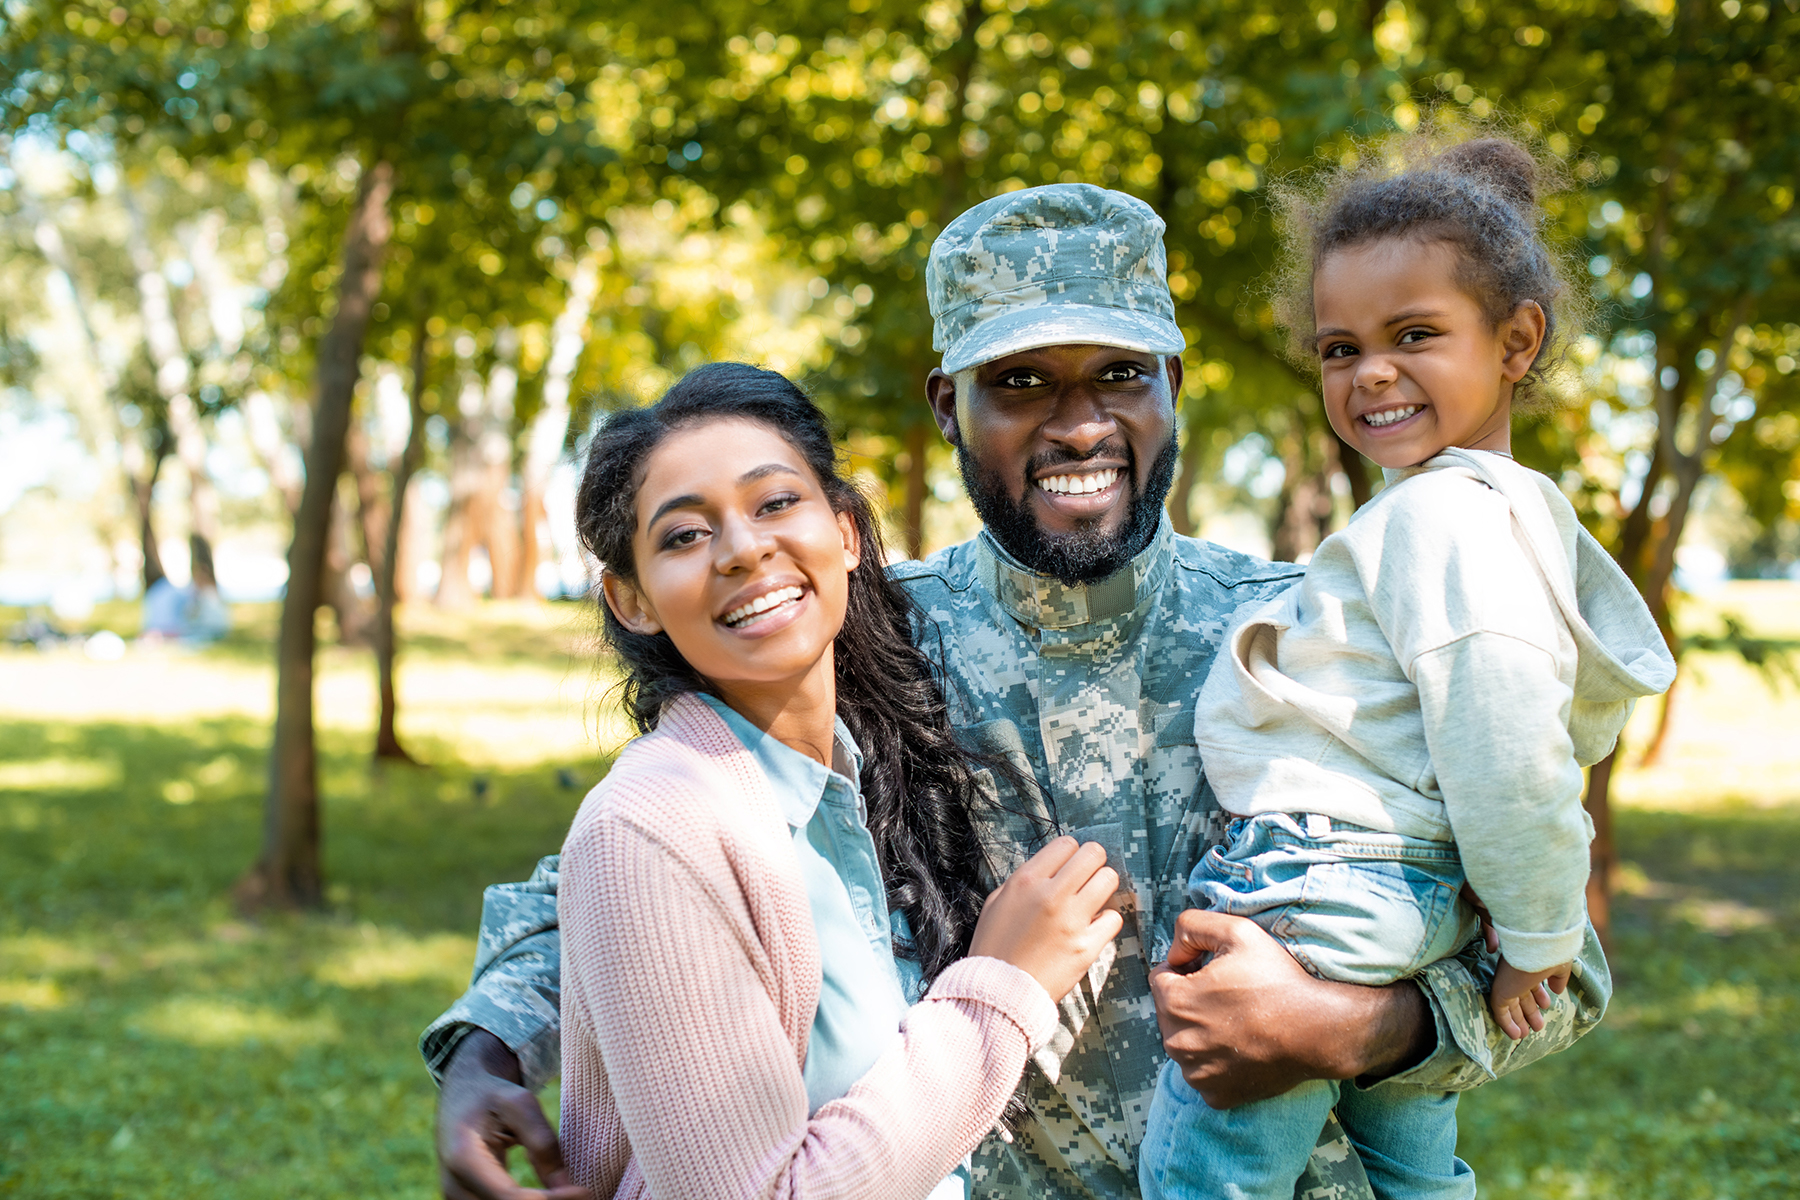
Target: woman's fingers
[
  {"x": 1098, "y": 891},
  {"x": 1050, "y": 861}
]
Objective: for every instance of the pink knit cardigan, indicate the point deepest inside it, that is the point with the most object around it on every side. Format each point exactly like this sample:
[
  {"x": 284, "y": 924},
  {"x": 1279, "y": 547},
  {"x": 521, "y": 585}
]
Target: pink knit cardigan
[{"x": 690, "y": 978}]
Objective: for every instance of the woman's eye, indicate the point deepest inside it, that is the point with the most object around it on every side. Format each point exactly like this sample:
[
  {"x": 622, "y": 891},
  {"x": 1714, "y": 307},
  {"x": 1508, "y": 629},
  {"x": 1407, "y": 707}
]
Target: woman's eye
[
  {"x": 779, "y": 503},
  {"x": 682, "y": 537}
]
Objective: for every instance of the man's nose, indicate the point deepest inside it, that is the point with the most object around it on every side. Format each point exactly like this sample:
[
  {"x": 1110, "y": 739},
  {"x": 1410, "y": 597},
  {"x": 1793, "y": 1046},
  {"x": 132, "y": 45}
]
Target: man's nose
[{"x": 1081, "y": 419}]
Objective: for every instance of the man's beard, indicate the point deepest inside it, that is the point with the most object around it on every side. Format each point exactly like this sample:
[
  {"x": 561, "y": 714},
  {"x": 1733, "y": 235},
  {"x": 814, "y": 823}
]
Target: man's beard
[{"x": 1090, "y": 553}]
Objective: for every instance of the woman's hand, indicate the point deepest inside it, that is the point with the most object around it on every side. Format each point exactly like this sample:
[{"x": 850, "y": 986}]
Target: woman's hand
[{"x": 1050, "y": 918}]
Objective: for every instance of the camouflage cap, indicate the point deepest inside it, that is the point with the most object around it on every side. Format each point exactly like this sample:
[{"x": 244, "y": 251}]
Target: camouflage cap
[{"x": 1067, "y": 264}]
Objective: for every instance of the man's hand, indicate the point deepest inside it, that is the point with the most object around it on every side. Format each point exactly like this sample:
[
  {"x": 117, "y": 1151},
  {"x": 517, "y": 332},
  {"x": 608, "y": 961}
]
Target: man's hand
[
  {"x": 1252, "y": 1023},
  {"x": 482, "y": 1112}
]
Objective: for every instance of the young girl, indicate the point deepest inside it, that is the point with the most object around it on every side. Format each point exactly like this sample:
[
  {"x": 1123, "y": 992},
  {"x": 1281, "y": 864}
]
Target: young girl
[
  {"x": 1414, "y": 715},
  {"x": 735, "y": 1022}
]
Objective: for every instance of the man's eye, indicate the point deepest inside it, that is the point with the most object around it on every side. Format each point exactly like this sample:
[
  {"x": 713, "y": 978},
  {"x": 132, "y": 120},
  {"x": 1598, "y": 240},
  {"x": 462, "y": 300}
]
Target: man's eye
[
  {"x": 1121, "y": 372},
  {"x": 1021, "y": 379}
]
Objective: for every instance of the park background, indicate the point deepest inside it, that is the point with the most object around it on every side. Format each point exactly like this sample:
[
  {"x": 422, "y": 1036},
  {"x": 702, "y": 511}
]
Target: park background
[{"x": 343, "y": 286}]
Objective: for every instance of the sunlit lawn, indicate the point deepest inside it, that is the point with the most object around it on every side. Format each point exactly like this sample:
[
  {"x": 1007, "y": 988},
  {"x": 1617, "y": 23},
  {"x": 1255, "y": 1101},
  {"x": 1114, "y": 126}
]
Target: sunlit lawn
[{"x": 151, "y": 1044}]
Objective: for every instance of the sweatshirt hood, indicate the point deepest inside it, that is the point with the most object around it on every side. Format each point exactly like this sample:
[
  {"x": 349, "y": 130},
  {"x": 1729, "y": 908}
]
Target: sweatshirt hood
[{"x": 1621, "y": 654}]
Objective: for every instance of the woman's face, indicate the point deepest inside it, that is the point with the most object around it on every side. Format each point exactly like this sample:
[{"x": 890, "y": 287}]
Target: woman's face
[{"x": 740, "y": 558}]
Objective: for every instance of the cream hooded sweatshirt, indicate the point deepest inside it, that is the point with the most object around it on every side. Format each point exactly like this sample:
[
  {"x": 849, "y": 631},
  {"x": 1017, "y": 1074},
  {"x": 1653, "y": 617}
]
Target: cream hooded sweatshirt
[{"x": 1450, "y": 662}]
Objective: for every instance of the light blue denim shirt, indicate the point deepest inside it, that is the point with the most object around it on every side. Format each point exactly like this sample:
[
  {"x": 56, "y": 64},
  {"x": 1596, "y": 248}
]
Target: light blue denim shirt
[
  {"x": 861, "y": 1000},
  {"x": 865, "y": 990}
]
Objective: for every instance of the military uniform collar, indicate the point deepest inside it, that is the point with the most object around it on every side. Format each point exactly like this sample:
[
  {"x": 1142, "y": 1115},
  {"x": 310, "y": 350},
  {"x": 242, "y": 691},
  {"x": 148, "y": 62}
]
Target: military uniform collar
[{"x": 1044, "y": 602}]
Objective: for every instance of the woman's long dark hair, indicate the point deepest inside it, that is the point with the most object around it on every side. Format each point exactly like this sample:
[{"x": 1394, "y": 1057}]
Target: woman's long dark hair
[{"x": 918, "y": 781}]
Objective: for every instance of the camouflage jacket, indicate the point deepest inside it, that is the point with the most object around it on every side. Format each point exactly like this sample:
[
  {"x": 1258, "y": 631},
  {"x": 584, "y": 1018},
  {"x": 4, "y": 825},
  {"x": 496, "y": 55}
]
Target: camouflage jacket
[{"x": 1088, "y": 691}]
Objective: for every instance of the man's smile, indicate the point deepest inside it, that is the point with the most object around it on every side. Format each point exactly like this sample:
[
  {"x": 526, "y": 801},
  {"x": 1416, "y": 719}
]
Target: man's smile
[{"x": 1081, "y": 495}]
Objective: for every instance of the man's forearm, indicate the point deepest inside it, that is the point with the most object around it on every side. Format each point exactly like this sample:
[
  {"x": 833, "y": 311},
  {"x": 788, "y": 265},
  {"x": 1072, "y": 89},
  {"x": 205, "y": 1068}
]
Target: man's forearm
[{"x": 1399, "y": 1031}]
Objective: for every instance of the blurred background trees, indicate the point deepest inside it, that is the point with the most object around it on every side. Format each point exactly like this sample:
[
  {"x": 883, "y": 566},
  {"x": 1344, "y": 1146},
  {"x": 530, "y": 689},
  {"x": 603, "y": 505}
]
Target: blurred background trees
[{"x": 365, "y": 274}]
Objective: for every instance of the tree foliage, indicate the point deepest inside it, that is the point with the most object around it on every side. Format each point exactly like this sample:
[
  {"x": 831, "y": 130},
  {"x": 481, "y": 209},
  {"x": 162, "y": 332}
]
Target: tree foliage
[{"x": 756, "y": 179}]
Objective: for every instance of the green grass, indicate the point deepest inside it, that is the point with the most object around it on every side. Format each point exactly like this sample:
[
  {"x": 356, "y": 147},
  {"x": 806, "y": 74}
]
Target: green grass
[
  {"x": 1691, "y": 1087},
  {"x": 153, "y": 1045}
]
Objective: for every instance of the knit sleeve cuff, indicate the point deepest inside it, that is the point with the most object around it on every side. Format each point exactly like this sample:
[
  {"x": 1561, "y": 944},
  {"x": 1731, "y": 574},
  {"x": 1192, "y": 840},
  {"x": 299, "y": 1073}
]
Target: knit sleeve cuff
[
  {"x": 1540, "y": 951},
  {"x": 1005, "y": 988}
]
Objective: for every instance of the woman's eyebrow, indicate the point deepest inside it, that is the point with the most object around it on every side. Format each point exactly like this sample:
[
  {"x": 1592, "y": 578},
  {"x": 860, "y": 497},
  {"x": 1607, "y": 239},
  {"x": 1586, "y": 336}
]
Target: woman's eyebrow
[
  {"x": 695, "y": 499},
  {"x": 691, "y": 500},
  {"x": 764, "y": 471}
]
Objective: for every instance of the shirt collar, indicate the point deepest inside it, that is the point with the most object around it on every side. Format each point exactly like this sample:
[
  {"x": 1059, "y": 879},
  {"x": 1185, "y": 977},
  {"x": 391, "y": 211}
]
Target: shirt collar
[
  {"x": 799, "y": 782},
  {"x": 1045, "y": 602}
]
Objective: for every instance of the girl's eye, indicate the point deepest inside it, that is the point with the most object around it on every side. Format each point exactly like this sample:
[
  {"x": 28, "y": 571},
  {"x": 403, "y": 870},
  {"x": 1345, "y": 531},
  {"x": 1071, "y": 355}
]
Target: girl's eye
[
  {"x": 682, "y": 537},
  {"x": 1338, "y": 350},
  {"x": 1413, "y": 337}
]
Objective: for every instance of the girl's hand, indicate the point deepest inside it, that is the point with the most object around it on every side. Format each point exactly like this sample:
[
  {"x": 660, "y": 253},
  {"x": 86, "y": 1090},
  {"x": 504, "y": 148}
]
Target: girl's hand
[
  {"x": 1518, "y": 998},
  {"x": 1051, "y": 917}
]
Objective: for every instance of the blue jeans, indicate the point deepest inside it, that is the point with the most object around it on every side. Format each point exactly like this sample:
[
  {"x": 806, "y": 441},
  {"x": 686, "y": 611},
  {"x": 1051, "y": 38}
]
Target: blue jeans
[{"x": 1353, "y": 905}]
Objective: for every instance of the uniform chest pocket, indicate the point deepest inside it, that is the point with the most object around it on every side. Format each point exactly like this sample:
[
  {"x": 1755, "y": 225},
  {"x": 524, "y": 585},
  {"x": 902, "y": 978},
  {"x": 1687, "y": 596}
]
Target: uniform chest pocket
[{"x": 1175, "y": 728}]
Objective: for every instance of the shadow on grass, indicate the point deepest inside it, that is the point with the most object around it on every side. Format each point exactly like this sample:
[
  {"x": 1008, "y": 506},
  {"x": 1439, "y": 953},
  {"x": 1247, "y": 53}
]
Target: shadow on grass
[
  {"x": 152, "y": 1044},
  {"x": 1691, "y": 1087}
]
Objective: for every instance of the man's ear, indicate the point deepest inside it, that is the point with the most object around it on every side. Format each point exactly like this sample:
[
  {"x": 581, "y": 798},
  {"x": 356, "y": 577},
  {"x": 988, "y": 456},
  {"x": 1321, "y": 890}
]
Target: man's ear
[
  {"x": 940, "y": 394},
  {"x": 852, "y": 542},
  {"x": 1522, "y": 337},
  {"x": 1176, "y": 372},
  {"x": 629, "y": 605}
]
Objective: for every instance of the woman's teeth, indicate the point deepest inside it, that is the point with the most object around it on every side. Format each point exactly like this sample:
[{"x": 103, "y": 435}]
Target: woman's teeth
[
  {"x": 1389, "y": 415},
  {"x": 762, "y": 604},
  {"x": 1079, "y": 485}
]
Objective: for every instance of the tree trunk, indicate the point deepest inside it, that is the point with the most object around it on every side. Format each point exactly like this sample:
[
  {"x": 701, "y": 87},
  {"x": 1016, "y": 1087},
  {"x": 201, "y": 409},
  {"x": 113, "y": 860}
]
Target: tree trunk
[
  {"x": 913, "y": 515},
  {"x": 1356, "y": 471},
  {"x": 1303, "y": 509},
  {"x": 550, "y": 428},
  {"x": 271, "y": 446},
  {"x": 1643, "y": 539},
  {"x": 173, "y": 374},
  {"x": 1181, "y": 500},
  {"x": 387, "y": 741},
  {"x": 1664, "y": 719},
  {"x": 371, "y": 508},
  {"x": 287, "y": 874},
  {"x": 502, "y": 529},
  {"x": 461, "y": 521},
  {"x": 142, "y": 490},
  {"x": 351, "y": 611},
  {"x": 1602, "y": 857}
]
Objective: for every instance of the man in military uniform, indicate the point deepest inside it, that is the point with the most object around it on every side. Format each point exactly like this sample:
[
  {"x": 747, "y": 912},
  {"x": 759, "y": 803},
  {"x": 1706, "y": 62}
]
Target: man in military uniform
[{"x": 1073, "y": 636}]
